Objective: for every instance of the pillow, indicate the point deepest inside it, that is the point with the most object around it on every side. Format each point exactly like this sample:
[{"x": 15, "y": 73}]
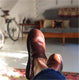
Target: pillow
[
  {"x": 66, "y": 23},
  {"x": 53, "y": 23},
  {"x": 47, "y": 23},
  {"x": 58, "y": 24}
]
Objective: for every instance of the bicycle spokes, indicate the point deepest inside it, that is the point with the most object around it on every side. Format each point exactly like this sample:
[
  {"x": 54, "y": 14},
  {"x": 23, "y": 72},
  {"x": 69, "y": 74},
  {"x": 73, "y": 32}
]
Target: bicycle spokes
[{"x": 13, "y": 30}]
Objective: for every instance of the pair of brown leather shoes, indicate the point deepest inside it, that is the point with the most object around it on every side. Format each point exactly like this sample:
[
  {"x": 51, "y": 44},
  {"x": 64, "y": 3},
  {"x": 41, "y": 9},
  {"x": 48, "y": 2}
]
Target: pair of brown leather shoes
[{"x": 36, "y": 48}]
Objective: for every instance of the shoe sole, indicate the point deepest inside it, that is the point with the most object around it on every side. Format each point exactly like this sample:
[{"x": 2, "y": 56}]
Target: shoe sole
[{"x": 30, "y": 63}]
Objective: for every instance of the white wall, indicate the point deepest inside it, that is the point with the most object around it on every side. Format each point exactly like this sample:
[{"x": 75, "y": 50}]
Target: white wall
[
  {"x": 35, "y": 8},
  {"x": 23, "y": 8},
  {"x": 8, "y": 4}
]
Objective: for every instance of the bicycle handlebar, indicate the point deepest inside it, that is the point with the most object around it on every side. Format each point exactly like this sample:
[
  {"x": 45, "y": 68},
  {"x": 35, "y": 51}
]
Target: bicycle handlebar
[{"x": 5, "y": 12}]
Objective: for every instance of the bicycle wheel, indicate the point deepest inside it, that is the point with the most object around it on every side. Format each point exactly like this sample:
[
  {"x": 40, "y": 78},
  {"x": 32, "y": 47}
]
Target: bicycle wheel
[
  {"x": 13, "y": 30},
  {"x": 2, "y": 39}
]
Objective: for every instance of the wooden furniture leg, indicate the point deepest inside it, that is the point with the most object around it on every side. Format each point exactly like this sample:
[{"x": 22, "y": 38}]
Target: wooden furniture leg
[
  {"x": 26, "y": 36},
  {"x": 63, "y": 40},
  {"x": 22, "y": 31}
]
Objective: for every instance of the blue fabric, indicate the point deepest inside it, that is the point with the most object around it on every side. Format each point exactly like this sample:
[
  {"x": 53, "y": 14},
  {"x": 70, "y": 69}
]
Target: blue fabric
[
  {"x": 51, "y": 30},
  {"x": 49, "y": 74},
  {"x": 61, "y": 30},
  {"x": 71, "y": 30}
]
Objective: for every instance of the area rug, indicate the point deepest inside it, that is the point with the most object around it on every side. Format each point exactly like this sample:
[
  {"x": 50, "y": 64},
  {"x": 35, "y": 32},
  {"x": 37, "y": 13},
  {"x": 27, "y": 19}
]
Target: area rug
[
  {"x": 19, "y": 74},
  {"x": 12, "y": 74}
]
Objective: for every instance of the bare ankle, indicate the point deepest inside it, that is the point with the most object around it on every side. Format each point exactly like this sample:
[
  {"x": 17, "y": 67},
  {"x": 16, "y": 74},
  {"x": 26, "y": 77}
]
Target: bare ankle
[{"x": 39, "y": 64}]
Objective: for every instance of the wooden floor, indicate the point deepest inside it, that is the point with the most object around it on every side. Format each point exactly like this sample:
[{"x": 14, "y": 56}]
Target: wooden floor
[{"x": 14, "y": 54}]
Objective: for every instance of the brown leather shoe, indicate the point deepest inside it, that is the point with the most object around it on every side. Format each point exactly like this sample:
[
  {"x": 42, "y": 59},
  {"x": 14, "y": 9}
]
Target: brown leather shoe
[
  {"x": 36, "y": 48},
  {"x": 55, "y": 62}
]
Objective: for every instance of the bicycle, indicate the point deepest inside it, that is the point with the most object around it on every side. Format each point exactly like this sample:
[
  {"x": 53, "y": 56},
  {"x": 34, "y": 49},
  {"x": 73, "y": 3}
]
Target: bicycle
[{"x": 13, "y": 28}]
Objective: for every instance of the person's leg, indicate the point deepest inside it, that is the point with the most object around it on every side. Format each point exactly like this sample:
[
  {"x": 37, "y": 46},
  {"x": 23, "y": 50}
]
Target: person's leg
[
  {"x": 55, "y": 62},
  {"x": 36, "y": 49}
]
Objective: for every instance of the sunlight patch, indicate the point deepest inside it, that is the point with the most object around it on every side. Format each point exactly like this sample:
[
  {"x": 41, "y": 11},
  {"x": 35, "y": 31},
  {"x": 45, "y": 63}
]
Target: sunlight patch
[
  {"x": 14, "y": 55},
  {"x": 2, "y": 63}
]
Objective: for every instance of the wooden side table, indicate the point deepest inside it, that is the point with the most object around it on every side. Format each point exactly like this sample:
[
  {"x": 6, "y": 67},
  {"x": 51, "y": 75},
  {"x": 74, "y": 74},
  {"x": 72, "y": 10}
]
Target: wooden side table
[{"x": 24, "y": 25}]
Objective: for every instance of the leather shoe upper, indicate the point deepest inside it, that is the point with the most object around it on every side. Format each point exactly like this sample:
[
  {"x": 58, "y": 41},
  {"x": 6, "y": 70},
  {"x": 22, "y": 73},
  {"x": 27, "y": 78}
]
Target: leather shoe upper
[
  {"x": 37, "y": 43},
  {"x": 55, "y": 62}
]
